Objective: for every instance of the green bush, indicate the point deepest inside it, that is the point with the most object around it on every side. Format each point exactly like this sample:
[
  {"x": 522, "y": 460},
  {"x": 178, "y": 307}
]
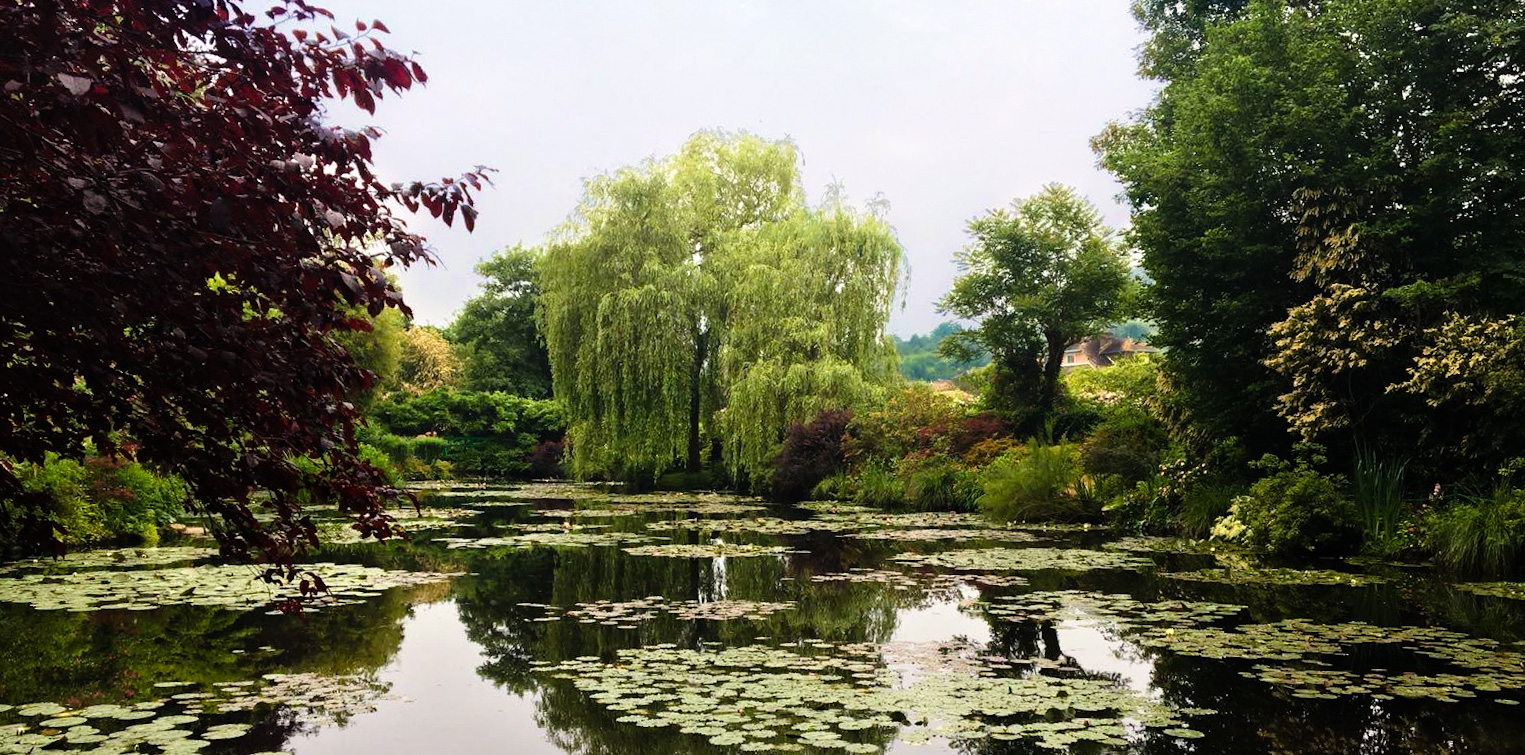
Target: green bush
[
  {"x": 445, "y": 432},
  {"x": 1129, "y": 446},
  {"x": 937, "y": 483},
  {"x": 99, "y": 499},
  {"x": 428, "y": 448},
  {"x": 382, "y": 461},
  {"x": 1294, "y": 512},
  {"x": 1201, "y": 506},
  {"x": 833, "y": 488},
  {"x": 878, "y": 487},
  {"x": 1038, "y": 485},
  {"x": 1482, "y": 537}
]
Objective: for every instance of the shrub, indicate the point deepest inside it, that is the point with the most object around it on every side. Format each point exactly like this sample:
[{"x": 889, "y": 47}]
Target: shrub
[
  {"x": 986, "y": 451},
  {"x": 1201, "y": 506},
  {"x": 917, "y": 418},
  {"x": 977, "y": 430},
  {"x": 101, "y": 499},
  {"x": 1131, "y": 447},
  {"x": 812, "y": 452},
  {"x": 933, "y": 482},
  {"x": 383, "y": 461},
  {"x": 1293, "y": 512},
  {"x": 877, "y": 486},
  {"x": 685, "y": 481},
  {"x": 545, "y": 460},
  {"x": 833, "y": 488},
  {"x": 396, "y": 448},
  {"x": 479, "y": 434},
  {"x": 429, "y": 449},
  {"x": 1483, "y": 536},
  {"x": 1038, "y": 485}
]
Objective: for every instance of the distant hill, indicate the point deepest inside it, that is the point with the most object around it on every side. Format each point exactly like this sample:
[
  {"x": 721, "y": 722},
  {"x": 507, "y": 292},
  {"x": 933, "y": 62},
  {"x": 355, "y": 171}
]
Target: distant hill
[{"x": 919, "y": 359}]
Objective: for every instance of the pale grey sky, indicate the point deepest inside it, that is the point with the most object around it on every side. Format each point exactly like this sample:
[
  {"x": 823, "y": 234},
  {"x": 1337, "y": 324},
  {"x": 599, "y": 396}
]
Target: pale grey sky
[{"x": 947, "y": 108}]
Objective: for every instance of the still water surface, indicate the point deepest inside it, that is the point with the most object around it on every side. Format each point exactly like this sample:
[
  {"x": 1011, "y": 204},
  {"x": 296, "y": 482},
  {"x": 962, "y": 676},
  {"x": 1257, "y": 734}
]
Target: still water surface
[{"x": 865, "y": 633}]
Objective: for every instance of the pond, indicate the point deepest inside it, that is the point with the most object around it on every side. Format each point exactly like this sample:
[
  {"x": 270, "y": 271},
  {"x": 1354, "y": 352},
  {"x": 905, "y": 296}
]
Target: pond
[{"x": 563, "y": 618}]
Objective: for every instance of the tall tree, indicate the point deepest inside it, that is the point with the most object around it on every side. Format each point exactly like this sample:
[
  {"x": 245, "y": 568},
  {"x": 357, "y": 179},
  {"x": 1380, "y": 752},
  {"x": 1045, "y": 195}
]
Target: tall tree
[
  {"x": 809, "y": 298},
  {"x": 427, "y": 361},
  {"x": 185, "y": 240},
  {"x": 663, "y": 270},
  {"x": 1317, "y": 196},
  {"x": 496, "y": 329},
  {"x": 1038, "y": 277}
]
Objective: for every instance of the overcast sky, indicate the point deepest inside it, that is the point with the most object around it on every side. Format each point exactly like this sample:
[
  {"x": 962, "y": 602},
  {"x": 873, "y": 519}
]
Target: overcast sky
[{"x": 947, "y": 108}]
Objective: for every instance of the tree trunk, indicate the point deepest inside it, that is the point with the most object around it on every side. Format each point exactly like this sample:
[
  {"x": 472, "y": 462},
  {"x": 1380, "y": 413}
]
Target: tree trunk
[
  {"x": 1052, "y": 360},
  {"x": 695, "y": 399}
]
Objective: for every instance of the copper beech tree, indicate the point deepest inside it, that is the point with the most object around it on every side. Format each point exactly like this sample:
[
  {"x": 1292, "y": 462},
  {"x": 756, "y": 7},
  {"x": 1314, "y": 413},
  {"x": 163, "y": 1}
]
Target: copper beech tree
[{"x": 183, "y": 241}]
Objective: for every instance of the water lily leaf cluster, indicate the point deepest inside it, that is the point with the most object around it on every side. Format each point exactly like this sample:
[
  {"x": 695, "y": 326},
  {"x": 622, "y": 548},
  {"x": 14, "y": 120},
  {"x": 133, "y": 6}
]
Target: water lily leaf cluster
[
  {"x": 1026, "y": 559},
  {"x": 1159, "y": 544},
  {"x": 626, "y": 614},
  {"x": 1255, "y": 575},
  {"x": 925, "y": 535},
  {"x": 184, "y": 723},
  {"x": 1478, "y": 664},
  {"x": 111, "y": 559},
  {"x": 913, "y": 520},
  {"x": 564, "y": 526},
  {"x": 233, "y": 587},
  {"x": 1123, "y": 610},
  {"x": 1510, "y": 590},
  {"x": 816, "y": 694},
  {"x": 606, "y": 513},
  {"x": 709, "y": 550},
  {"x": 554, "y": 538},
  {"x": 407, "y": 520},
  {"x": 931, "y": 582},
  {"x": 758, "y": 525}
]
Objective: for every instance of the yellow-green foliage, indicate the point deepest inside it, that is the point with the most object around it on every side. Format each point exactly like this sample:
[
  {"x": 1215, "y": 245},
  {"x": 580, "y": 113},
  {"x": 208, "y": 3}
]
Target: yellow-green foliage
[{"x": 702, "y": 286}]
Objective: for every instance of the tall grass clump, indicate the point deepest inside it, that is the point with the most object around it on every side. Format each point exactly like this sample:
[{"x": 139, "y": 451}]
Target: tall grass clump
[
  {"x": 937, "y": 483},
  {"x": 1202, "y": 505},
  {"x": 1378, "y": 488},
  {"x": 1481, "y": 536},
  {"x": 878, "y": 487},
  {"x": 1038, "y": 485}
]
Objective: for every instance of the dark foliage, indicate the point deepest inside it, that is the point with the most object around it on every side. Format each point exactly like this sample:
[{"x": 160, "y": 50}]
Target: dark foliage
[
  {"x": 545, "y": 461},
  {"x": 184, "y": 241},
  {"x": 812, "y": 452},
  {"x": 972, "y": 431}
]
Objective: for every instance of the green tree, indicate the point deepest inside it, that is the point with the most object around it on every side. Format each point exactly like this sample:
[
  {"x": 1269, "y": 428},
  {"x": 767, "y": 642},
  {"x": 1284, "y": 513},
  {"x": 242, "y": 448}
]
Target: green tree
[
  {"x": 496, "y": 332},
  {"x": 809, "y": 298},
  {"x": 1038, "y": 277},
  {"x": 686, "y": 282},
  {"x": 378, "y": 350},
  {"x": 1319, "y": 190}
]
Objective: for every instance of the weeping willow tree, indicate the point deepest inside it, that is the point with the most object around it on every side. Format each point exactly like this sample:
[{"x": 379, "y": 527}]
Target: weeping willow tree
[
  {"x": 686, "y": 283},
  {"x": 809, "y": 300}
]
